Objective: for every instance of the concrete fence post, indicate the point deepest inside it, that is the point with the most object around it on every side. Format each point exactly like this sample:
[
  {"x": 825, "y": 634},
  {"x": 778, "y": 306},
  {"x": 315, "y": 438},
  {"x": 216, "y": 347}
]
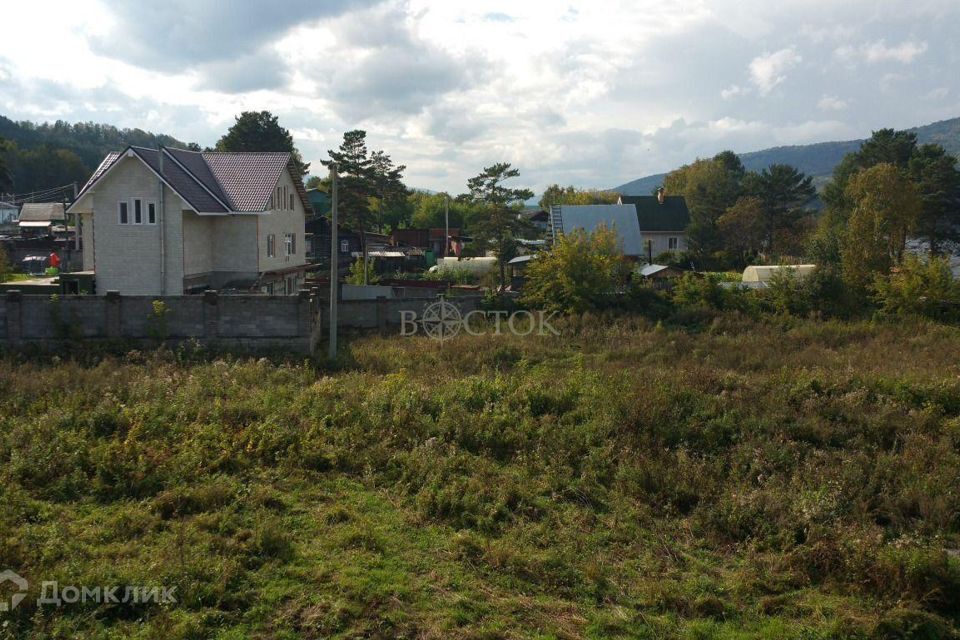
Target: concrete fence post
[
  {"x": 211, "y": 315},
  {"x": 113, "y": 310},
  {"x": 382, "y": 314},
  {"x": 14, "y": 328},
  {"x": 304, "y": 313}
]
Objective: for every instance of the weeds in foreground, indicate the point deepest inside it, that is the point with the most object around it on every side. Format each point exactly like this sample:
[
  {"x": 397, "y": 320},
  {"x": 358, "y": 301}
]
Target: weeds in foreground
[{"x": 784, "y": 479}]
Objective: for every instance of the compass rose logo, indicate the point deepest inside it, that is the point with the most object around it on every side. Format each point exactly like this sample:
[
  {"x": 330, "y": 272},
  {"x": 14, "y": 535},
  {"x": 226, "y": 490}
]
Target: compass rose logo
[{"x": 442, "y": 320}]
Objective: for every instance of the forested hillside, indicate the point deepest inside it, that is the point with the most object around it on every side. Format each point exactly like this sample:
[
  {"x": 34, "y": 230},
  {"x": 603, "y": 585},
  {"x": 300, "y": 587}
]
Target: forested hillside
[
  {"x": 817, "y": 160},
  {"x": 42, "y": 156}
]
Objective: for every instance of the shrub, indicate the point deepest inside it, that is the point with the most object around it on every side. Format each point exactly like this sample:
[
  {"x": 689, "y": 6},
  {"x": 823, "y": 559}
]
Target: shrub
[
  {"x": 705, "y": 291},
  {"x": 456, "y": 275},
  {"x": 920, "y": 287},
  {"x": 582, "y": 272},
  {"x": 787, "y": 293},
  {"x": 355, "y": 275}
]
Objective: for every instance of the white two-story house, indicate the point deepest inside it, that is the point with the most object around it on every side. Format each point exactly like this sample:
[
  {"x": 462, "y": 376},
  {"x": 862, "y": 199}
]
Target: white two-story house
[{"x": 170, "y": 222}]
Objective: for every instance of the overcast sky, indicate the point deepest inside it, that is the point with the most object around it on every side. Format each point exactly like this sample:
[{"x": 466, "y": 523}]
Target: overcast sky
[{"x": 591, "y": 93}]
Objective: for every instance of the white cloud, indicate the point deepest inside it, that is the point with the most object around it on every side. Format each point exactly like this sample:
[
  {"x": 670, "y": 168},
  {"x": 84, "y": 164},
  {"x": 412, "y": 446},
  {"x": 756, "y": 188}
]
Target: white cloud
[
  {"x": 937, "y": 94},
  {"x": 875, "y": 52},
  {"x": 593, "y": 92},
  {"x": 732, "y": 91},
  {"x": 769, "y": 70},
  {"x": 831, "y": 103}
]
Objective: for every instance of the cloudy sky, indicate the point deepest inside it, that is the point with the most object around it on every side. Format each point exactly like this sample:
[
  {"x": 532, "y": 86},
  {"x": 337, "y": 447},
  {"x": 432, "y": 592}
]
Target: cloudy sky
[{"x": 590, "y": 93}]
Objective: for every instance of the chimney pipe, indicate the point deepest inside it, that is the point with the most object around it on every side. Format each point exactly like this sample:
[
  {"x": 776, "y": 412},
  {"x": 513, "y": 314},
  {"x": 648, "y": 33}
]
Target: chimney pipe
[{"x": 661, "y": 195}]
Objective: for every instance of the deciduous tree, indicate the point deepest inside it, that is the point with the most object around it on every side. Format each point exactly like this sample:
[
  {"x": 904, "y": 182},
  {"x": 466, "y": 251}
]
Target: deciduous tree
[
  {"x": 885, "y": 209},
  {"x": 710, "y": 187},
  {"x": 581, "y": 272},
  {"x": 555, "y": 194}
]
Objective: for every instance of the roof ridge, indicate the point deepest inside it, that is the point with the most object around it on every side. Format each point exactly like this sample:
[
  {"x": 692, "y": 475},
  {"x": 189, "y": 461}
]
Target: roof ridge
[
  {"x": 228, "y": 207},
  {"x": 243, "y": 152}
]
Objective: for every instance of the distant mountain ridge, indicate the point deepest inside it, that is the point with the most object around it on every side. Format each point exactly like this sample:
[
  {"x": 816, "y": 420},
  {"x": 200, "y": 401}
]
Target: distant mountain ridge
[{"x": 817, "y": 160}]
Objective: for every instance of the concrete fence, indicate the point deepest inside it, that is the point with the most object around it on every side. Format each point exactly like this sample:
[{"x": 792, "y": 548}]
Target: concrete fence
[{"x": 246, "y": 321}]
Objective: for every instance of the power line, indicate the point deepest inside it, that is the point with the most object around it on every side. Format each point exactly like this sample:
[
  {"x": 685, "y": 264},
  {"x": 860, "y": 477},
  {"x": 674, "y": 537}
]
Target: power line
[{"x": 34, "y": 195}]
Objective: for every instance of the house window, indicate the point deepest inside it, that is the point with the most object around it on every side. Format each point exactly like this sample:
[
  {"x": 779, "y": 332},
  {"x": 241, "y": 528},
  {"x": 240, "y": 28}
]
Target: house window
[
  {"x": 344, "y": 246},
  {"x": 291, "y": 202},
  {"x": 124, "y": 213},
  {"x": 271, "y": 245},
  {"x": 151, "y": 213},
  {"x": 673, "y": 243},
  {"x": 138, "y": 212},
  {"x": 289, "y": 241},
  {"x": 270, "y": 204}
]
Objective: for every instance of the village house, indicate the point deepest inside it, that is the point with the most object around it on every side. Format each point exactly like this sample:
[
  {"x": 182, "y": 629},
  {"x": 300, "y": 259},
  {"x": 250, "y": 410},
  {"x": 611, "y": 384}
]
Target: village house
[
  {"x": 8, "y": 217},
  {"x": 621, "y": 218},
  {"x": 663, "y": 222},
  {"x": 170, "y": 222},
  {"x": 40, "y": 218}
]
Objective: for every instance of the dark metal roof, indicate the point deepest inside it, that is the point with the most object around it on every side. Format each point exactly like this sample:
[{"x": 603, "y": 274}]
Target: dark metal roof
[
  {"x": 672, "y": 215},
  {"x": 186, "y": 185},
  {"x": 194, "y": 163}
]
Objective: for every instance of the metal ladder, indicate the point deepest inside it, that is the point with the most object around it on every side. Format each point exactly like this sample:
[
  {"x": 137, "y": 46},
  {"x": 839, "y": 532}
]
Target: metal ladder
[{"x": 556, "y": 222}]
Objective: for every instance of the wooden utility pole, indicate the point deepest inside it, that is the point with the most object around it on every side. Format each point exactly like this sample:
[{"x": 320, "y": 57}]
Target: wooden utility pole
[
  {"x": 446, "y": 225},
  {"x": 334, "y": 260}
]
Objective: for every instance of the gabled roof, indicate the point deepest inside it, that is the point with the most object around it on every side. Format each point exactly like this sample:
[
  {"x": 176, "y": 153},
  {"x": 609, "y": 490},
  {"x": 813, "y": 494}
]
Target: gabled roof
[
  {"x": 41, "y": 212},
  {"x": 249, "y": 178},
  {"x": 672, "y": 215},
  {"x": 213, "y": 182},
  {"x": 621, "y": 217}
]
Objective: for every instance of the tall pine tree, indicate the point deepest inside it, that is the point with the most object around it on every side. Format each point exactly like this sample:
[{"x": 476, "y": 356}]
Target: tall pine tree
[{"x": 260, "y": 131}]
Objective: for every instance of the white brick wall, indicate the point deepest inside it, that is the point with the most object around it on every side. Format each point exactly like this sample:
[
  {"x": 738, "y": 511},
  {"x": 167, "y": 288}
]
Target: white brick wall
[
  {"x": 235, "y": 244},
  {"x": 127, "y": 256},
  {"x": 86, "y": 238},
  {"x": 280, "y": 222},
  {"x": 198, "y": 244},
  {"x": 661, "y": 241}
]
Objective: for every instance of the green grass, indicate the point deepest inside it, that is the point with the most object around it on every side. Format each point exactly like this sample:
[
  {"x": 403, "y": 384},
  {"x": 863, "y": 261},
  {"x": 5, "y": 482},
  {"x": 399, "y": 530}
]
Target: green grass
[
  {"x": 18, "y": 277},
  {"x": 784, "y": 479}
]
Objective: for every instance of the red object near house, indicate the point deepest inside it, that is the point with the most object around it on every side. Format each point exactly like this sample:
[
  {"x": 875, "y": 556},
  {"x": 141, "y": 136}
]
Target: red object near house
[{"x": 54, "y": 260}]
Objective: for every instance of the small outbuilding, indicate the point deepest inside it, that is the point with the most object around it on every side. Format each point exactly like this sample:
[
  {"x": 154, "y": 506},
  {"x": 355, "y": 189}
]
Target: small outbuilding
[
  {"x": 40, "y": 217},
  {"x": 762, "y": 274}
]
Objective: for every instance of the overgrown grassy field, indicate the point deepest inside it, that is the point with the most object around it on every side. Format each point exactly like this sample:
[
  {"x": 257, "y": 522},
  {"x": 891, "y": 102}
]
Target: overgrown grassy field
[{"x": 778, "y": 479}]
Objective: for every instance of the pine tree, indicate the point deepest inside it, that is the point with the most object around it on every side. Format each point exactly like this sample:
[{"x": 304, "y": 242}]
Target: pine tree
[
  {"x": 501, "y": 224},
  {"x": 260, "y": 131}
]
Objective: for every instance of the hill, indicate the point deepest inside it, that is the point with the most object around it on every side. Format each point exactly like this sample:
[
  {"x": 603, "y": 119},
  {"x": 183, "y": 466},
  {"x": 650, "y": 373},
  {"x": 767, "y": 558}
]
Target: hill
[
  {"x": 817, "y": 160},
  {"x": 53, "y": 154}
]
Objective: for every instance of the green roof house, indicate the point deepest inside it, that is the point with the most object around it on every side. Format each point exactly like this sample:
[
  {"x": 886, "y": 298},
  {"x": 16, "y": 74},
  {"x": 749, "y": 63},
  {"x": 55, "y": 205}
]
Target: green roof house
[{"x": 320, "y": 201}]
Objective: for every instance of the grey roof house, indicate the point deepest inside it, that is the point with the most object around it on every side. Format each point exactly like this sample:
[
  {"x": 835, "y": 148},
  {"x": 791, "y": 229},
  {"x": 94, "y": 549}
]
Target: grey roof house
[
  {"x": 620, "y": 217},
  {"x": 169, "y": 221},
  {"x": 40, "y": 216},
  {"x": 663, "y": 221}
]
